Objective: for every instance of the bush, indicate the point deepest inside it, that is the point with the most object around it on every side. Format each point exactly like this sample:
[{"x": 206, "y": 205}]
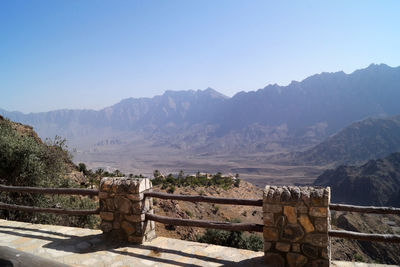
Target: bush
[
  {"x": 171, "y": 189},
  {"x": 26, "y": 161},
  {"x": 189, "y": 213},
  {"x": 195, "y": 181},
  {"x": 216, "y": 209},
  {"x": 231, "y": 239},
  {"x": 358, "y": 257}
]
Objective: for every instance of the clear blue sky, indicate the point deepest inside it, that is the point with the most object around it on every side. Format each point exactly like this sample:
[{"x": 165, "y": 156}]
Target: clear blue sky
[{"x": 91, "y": 54}]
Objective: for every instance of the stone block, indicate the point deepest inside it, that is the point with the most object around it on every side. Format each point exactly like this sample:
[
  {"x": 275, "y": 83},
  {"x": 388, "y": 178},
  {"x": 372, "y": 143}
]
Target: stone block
[
  {"x": 320, "y": 263},
  {"x": 290, "y": 213},
  {"x": 292, "y": 233},
  {"x": 280, "y": 222},
  {"x": 282, "y": 246},
  {"x": 319, "y": 211},
  {"x": 150, "y": 200},
  {"x": 150, "y": 236},
  {"x": 110, "y": 204},
  {"x": 116, "y": 184},
  {"x": 128, "y": 228},
  {"x": 301, "y": 207},
  {"x": 270, "y": 233},
  {"x": 137, "y": 207},
  {"x": 103, "y": 195},
  {"x": 142, "y": 185},
  {"x": 136, "y": 239},
  {"x": 153, "y": 225},
  {"x": 106, "y": 184},
  {"x": 140, "y": 228},
  {"x": 327, "y": 196},
  {"x": 135, "y": 218},
  {"x": 295, "y": 193},
  {"x": 310, "y": 251},
  {"x": 122, "y": 204},
  {"x": 319, "y": 240},
  {"x": 116, "y": 225},
  {"x": 325, "y": 253},
  {"x": 273, "y": 208},
  {"x": 305, "y": 195},
  {"x": 268, "y": 219},
  {"x": 274, "y": 259},
  {"x": 296, "y": 259},
  {"x": 106, "y": 226},
  {"x": 306, "y": 223},
  {"x": 267, "y": 246},
  {"x": 316, "y": 196},
  {"x": 321, "y": 224},
  {"x": 296, "y": 247},
  {"x": 135, "y": 197},
  {"x": 107, "y": 216}
]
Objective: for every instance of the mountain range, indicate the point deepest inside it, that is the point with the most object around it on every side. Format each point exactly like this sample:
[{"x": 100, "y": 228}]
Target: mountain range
[
  {"x": 371, "y": 138},
  {"x": 205, "y": 122},
  {"x": 376, "y": 182}
]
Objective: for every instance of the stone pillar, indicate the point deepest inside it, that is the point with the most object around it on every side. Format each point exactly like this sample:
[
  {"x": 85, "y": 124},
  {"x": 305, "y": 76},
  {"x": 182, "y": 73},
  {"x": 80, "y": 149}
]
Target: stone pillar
[
  {"x": 123, "y": 208},
  {"x": 296, "y": 222}
]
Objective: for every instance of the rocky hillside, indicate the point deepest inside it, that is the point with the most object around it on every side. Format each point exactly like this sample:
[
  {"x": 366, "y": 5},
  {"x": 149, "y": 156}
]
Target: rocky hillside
[
  {"x": 377, "y": 182},
  {"x": 361, "y": 141},
  {"x": 206, "y": 211},
  {"x": 342, "y": 249},
  {"x": 377, "y": 252},
  {"x": 27, "y": 161},
  {"x": 24, "y": 154}
]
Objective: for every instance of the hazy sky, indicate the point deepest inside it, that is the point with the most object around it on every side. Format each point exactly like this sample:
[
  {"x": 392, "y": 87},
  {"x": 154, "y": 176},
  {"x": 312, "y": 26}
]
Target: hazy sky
[{"x": 91, "y": 54}]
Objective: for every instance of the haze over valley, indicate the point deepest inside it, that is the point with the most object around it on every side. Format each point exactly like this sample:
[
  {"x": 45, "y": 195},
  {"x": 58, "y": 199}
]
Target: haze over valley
[{"x": 275, "y": 135}]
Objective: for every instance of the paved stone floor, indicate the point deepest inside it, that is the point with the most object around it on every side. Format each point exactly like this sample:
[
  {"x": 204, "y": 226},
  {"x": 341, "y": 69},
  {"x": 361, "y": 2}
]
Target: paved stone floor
[{"x": 85, "y": 247}]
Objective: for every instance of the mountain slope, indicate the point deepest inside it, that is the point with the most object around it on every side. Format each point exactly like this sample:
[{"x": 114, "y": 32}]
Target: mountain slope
[
  {"x": 377, "y": 182},
  {"x": 363, "y": 140},
  {"x": 273, "y": 119}
]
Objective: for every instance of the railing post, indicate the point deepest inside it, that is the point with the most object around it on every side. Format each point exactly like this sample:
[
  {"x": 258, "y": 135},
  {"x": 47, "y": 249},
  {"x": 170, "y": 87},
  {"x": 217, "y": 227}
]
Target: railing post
[
  {"x": 123, "y": 208},
  {"x": 296, "y": 223}
]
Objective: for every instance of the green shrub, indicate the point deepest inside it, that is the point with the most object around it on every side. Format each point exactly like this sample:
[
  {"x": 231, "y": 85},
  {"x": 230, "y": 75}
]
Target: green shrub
[
  {"x": 171, "y": 189},
  {"x": 26, "y": 161},
  {"x": 231, "y": 239},
  {"x": 189, "y": 213},
  {"x": 358, "y": 257},
  {"x": 195, "y": 181},
  {"x": 216, "y": 209}
]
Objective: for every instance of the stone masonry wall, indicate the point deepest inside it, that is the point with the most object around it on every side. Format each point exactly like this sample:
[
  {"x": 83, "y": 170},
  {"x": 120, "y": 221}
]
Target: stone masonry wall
[
  {"x": 296, "y": 221},
  {"x": 123, "y": 208}
]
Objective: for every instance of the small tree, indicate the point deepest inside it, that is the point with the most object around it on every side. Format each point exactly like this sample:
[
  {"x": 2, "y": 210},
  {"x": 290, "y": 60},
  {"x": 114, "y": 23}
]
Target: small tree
[
  {"x": 156, "y": 174},
  {"x": 82, "y": 168}
]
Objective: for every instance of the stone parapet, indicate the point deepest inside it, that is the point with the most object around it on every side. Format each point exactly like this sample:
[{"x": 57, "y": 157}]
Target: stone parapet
[
  {"x": 296, "y": 221},
  {"x": 123, "y": 208}
]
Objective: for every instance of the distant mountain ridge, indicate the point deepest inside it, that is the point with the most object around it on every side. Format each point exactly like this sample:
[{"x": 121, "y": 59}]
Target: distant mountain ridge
[
  {"x": 376, "y": 182},
  {"x": 301, "y": 113},
  {"x": 372, "y": 138}
]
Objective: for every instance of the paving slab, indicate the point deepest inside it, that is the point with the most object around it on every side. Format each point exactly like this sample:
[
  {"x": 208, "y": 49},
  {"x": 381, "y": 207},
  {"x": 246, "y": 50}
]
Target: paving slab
[{"x": 88, "y": 247}]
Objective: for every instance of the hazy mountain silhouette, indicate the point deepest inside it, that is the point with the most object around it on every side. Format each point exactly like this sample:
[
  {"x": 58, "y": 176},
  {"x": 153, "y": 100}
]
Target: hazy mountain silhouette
[
  {"x": 301, "y": 113},
  {"x": 377, "y": 182},
  {"x": 363, "y": 140}
]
